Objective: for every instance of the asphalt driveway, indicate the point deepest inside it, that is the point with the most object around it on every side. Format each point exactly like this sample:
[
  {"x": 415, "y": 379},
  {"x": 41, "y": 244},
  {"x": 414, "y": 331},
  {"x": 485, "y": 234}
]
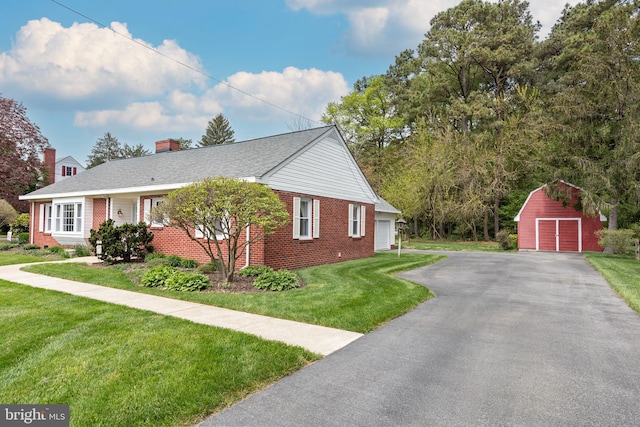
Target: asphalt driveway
[{"x": 526, "y": 339}]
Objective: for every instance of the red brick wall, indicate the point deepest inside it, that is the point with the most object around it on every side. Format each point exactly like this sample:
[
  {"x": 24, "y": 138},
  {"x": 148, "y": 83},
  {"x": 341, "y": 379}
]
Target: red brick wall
[
  {"x": 280, "y": 250},
  {"x": 37, "y": 237},
  {"x": 333, "y": 245}
]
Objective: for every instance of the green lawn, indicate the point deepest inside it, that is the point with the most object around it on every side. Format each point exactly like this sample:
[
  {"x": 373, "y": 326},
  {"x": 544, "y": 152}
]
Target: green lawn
[
  {"x": 13, "y": 258},
  {"x": 355, "y": 295},
  {"x": 117, "y": 366},
  {"x": 450, "y": 245},
  {"x": 622, "y": 273}
]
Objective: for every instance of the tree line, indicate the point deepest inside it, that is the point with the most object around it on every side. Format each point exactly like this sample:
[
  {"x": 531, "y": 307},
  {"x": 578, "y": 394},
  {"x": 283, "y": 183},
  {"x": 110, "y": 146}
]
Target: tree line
[{"x": 459, "y": 130}]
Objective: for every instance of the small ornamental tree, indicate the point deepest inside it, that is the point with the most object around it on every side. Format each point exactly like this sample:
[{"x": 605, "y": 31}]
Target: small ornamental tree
[
  {"x": 7, "y": 213},
  {"x": 223, "y": 208}
]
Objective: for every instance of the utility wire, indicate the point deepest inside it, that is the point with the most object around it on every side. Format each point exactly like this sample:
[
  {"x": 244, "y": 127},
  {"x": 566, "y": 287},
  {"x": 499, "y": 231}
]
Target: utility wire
[{"x": 154, "y": 50}]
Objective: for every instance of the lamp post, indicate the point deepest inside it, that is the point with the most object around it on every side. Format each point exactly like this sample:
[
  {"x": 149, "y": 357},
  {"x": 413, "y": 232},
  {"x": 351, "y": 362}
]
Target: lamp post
[{"x": 401, "y": 224}]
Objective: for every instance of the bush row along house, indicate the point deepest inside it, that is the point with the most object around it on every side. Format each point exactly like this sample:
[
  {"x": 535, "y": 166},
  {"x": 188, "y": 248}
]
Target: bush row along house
[{"x": 331, "y": 205}]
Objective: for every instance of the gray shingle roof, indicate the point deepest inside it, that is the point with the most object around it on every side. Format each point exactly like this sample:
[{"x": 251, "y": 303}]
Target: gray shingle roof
[
  {"x": 384, "y": 206},
  {"x": 252, "y": 158}
]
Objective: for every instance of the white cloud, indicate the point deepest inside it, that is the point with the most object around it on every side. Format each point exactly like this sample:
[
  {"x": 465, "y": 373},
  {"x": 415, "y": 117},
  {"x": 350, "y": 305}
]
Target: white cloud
[
  {"x": 387, "y": 27},
  {"x": 178, "y": 112},
  {"x": 304, "y": 92},
  {"x": 86, "y": 61},
  {"x": 298, "y": 91}
]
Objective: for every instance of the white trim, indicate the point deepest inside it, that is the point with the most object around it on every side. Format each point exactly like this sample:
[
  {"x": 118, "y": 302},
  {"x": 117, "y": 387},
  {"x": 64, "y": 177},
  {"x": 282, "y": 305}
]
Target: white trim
[
  {"x": 350, "y": 222},
  {"x": 146, "y": 210},
  {"x": 32, "y": 223},
  {"x": 296, "y": 217},
  {"x": 316, "y": 218},
  {"x": 41, "y": 222},
  {"x": 557, "y": 220},
  {"x": 247, "y": 248},
  {"x": 363, "y": 220},
  {"x": 146, "y": 190}
]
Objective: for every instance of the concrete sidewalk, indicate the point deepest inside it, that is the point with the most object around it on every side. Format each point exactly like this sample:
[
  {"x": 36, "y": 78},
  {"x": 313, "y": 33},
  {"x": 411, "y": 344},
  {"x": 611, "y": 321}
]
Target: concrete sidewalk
[{"x": 318, "y": 339}]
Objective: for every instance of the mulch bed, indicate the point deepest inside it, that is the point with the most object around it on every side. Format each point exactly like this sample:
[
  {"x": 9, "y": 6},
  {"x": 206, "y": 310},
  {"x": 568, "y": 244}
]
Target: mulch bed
[{"x": 240, "y": 284}]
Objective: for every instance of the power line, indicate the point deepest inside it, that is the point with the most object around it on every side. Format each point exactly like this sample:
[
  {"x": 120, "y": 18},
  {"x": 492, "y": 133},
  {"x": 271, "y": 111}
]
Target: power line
[{"x": 154, "y": 50}]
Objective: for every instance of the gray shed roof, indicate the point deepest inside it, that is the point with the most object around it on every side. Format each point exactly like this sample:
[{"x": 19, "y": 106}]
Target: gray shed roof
[
  {"x": 384, "y": 206},
  {"x": 248, "y": 159}
]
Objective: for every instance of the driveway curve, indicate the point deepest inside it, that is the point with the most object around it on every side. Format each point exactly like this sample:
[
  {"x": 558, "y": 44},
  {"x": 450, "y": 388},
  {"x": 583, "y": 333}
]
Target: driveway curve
[{"x": 526, "y": 339}]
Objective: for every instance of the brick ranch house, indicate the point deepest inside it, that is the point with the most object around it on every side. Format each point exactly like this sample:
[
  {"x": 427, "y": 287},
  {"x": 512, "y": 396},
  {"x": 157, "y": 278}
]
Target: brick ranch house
[{"x": 331, "y": 204}]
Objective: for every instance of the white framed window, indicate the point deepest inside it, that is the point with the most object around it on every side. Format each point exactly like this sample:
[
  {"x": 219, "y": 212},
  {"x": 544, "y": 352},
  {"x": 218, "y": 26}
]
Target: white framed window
[
  {"x": 48, "y": 217},
  {"x": 67, "y": 217},
  {"x": 306, "y": 218},
  {"x": 357, "y": 217},
  {"x": 202, "y": 233},
  {"x": 148, "y": 205}
]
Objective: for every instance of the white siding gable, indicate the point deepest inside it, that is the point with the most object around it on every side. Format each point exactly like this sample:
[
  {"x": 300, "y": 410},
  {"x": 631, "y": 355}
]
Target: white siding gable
[{"x": 325, "y": 168}]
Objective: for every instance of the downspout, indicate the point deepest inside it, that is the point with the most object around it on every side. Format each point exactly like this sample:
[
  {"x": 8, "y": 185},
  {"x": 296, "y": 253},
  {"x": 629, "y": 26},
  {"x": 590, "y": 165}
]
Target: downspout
[{"x": 246, "y": 250}]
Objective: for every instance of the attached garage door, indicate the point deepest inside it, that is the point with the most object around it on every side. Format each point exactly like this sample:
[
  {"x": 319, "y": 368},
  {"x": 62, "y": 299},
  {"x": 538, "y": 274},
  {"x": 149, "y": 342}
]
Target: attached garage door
[
  {"x": 383, "y": 233},
  {"x": 558, "y": 234}
]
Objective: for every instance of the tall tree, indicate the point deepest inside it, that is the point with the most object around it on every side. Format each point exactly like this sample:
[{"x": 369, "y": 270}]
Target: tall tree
[
  {"x": 134, "y": 151},
  {"x": 185, "y": 144},
  {"x": 109, "y": 148},
  {"x": 590, "y": 62},
  {"x": 218, "y": 132},
  {"x": 21, "y": 144},
  {"x": 368, "y": 122},
  {"x": 105, "y": 149}
]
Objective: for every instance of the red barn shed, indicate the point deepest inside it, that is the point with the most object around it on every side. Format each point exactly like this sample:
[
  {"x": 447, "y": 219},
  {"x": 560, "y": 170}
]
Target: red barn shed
[{"x": 545, "y": 224}]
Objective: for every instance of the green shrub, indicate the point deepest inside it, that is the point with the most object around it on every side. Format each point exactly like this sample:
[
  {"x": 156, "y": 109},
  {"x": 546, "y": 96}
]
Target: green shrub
[
  {"x": 30, "y": 247},
  {"x": 506, "y": 240},
  {"x": 82, "y": 250},
  {"x": 21, "y": 224},
  {"x": 152, "y": 256},
  {"x": 125, "y": 241},
  {"x": 617, "y": 241},
  {"x": 280, "y": 280},
  {"x": 156, "y": 277},
  {"x": 208, "y": 268},
  {"x": 186, "y": 282},
  {"x": 174, "y": 261},
  {"x": 7, "y": 246},
  {"x": 157, "y": 262},
  {"x": 23, "y": 238},
  {"x": 56, "y": 250},
  {"x": 188, "y": 263},
  {"x": 254, "y": 270}
]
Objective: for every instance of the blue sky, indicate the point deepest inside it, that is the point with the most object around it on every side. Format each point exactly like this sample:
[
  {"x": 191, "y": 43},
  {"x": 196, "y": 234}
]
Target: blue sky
[{"x": 80, "y": 80}]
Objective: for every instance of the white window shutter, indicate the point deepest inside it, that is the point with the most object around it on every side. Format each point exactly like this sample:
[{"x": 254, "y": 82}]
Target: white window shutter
[
  {"x": 316, "y": 219},
  {"x": 296, "y": 217},
  {"x": 147, "y": 211},
  {"x": 41, "y": 222},
  {"x": 350, "y": 227},
  {"x": 363, "y": 217}
]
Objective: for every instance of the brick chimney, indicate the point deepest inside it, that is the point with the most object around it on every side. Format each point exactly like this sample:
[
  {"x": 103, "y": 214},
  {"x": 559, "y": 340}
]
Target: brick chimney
[
  {"x": 49, "y": 165},
  {"x": 167, "y": 145}
]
